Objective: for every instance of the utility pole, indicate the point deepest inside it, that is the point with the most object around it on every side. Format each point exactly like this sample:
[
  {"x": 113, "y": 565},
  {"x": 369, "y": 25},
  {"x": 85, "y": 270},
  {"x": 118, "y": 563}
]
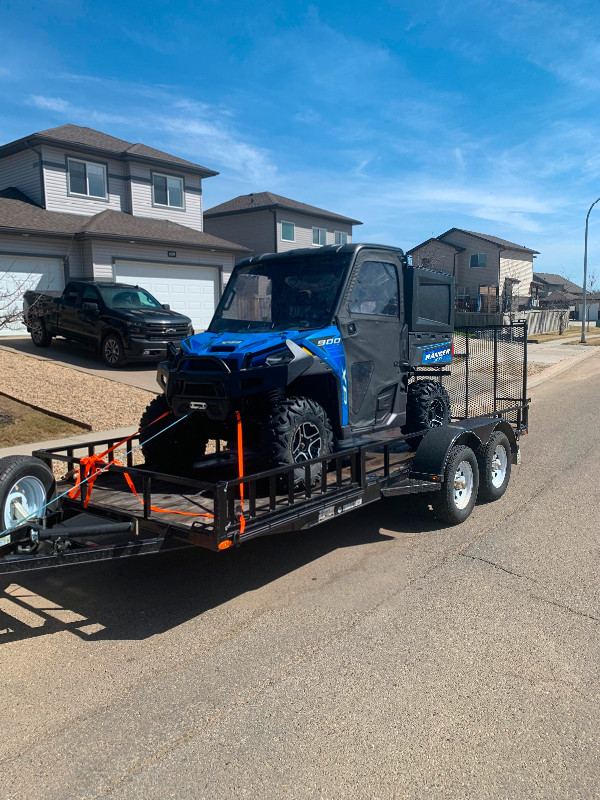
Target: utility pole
[{"x": 587, "y": 219}]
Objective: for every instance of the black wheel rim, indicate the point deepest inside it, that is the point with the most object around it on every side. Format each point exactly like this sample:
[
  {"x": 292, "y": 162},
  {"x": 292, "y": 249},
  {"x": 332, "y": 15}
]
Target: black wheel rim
[
  {"x": 436, "y": 414},
  {"x": 112, "y": 351},
  {"x": 307, "y": 442}
]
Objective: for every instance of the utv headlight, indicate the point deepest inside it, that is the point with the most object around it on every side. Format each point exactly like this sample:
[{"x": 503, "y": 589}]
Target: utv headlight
[{"x": 280, "y": 357}]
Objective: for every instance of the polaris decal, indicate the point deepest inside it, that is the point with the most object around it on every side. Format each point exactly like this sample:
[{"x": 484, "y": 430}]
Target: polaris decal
[{"x": 437, "y": 354}]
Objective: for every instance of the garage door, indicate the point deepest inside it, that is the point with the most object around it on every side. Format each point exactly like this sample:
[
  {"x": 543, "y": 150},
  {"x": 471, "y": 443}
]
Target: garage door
[
  {"x": 20, "y": 273},
  {"x": 193, "y": 291}
]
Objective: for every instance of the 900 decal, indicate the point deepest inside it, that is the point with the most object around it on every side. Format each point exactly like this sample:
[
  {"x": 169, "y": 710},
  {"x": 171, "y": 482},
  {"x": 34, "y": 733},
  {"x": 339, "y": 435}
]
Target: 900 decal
[{"x": 326, "y": 342}]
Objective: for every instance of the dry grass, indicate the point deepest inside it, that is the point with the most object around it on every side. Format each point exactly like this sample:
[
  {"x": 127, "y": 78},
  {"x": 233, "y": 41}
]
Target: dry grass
[
  {"x": 590, "y": 341},
  {"x": 20, "y": 424}
]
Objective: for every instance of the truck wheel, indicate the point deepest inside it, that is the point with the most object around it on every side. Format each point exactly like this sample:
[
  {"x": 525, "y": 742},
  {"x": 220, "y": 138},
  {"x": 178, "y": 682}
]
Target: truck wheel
[
  {"x": 26, "y": 486},
  {"x": 112, "y": 351},
  {"x": 455, "y": 500},
  {"x": 427, "y": 406},
  {"x": 39, "y": 333},
  {"x": 494, "y": 467},
  {"x": 174, "y": 449},
  {"x": 296, "y": 430}
]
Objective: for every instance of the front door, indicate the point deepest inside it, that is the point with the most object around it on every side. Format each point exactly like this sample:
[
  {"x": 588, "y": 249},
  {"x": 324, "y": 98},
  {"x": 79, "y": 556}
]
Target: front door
[{"x": 370, "y": 322}]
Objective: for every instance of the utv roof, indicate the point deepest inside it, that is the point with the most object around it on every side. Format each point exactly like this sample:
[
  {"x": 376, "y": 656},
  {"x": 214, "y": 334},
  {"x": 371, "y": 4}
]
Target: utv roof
[{"x": 312, "y": 252}]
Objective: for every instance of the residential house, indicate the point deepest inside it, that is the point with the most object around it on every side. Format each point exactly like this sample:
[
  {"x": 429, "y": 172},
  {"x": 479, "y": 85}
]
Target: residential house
[
  {"x": 78, "y": 203},
  {"x": 490, "y": 273},
  {"x": 268, "y": 223}
]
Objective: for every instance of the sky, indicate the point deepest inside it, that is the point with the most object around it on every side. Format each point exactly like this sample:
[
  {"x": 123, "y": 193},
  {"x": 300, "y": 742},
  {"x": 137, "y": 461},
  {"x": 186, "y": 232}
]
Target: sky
[{"x": 413, "y": 118}]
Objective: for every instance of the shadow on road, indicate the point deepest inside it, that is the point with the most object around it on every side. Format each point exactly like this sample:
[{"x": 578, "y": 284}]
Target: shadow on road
[{"x": 138, "y": 598}]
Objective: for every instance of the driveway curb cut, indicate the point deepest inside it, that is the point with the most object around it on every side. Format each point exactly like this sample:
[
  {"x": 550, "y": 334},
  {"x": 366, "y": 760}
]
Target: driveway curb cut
[{"x": 560, "y": 367}]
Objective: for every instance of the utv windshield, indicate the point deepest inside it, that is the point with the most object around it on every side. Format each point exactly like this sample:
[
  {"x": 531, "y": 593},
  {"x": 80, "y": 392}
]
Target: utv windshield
[{"x": 279, "y": 295}]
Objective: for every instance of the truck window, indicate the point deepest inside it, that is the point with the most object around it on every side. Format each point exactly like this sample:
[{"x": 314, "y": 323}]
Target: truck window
[
  {"x": 90, "y": 295},
  {"x": 376, "y": 290},
  {"x": 71, "y": 295}
]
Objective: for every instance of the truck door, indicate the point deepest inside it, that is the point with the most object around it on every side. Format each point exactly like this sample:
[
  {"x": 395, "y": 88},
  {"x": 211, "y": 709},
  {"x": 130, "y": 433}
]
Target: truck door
[
  {"x": 370, "y": 321},
  {"x": 69, "y": 305}
]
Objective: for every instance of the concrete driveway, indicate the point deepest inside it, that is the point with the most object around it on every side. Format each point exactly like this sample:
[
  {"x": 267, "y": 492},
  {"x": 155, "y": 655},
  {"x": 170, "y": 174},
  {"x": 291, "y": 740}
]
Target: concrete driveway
[{"x": 71, "y": 354}]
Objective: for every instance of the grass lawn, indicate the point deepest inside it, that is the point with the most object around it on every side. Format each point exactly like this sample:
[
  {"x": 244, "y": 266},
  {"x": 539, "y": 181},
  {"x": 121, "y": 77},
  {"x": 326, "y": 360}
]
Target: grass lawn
[
  {"x": 20, "y": 424},
  {"x": 591, "y": 340}
]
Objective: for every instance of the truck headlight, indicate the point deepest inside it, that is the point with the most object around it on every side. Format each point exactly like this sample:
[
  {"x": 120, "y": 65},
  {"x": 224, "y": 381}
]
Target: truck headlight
[{"x": 280, "y": 357}]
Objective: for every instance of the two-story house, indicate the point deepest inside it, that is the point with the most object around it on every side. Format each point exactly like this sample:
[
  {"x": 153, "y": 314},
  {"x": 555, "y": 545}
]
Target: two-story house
[
  {"x": 269, "y": 223},
  {"x": 489, "y": 272},
  {"x": 78, "y": 203}
]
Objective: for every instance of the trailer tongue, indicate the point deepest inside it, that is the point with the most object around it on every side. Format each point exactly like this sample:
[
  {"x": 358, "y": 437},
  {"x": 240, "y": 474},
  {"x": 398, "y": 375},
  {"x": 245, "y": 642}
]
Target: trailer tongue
[{"x": 135, "y": 511}]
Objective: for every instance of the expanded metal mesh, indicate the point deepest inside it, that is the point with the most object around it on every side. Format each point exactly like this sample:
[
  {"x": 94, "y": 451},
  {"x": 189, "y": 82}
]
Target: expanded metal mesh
[{"x": 488, "y": 370}]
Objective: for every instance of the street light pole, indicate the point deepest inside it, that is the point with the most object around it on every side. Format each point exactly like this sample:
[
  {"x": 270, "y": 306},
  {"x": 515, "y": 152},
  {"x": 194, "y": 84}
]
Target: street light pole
[{"x": 587, "y": 219}]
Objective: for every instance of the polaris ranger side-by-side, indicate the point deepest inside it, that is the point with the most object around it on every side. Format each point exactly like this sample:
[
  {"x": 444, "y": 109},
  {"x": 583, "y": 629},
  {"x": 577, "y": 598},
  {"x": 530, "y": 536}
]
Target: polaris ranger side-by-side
[{"x": 328, "y": 379}]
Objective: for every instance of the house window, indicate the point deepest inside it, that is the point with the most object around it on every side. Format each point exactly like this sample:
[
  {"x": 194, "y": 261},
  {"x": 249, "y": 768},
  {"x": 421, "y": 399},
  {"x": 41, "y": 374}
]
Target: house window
[
  {"x": 288, "y": 231},
  {"x": 167, "y": 191},
  {"x": 87, "y": 179},
  {"x": 319, "y": 236},
  {"x": 339, "y": 237},
  {"x": 477, "y": 260},
  {"x": 426, "y": 262}
]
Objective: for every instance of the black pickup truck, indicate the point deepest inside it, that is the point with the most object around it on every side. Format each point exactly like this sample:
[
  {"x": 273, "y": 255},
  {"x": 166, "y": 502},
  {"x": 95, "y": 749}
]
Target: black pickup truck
[{"x": 123, "y": 322}]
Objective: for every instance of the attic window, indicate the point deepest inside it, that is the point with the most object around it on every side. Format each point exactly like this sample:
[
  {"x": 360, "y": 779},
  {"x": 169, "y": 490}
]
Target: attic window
[
  {"x": 477, "y": 260},
  {"x": 87, "y": 179},
  {"x": 167, "y": 191}
]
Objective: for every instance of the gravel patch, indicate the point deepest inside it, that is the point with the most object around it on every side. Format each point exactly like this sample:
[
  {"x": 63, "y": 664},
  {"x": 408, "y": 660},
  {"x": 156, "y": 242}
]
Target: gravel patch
[{"x": 103, "y": 404}]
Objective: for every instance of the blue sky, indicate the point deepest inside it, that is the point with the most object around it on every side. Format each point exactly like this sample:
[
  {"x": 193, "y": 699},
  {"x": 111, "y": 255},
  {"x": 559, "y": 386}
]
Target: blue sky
[{"x": 477, "y": 114}]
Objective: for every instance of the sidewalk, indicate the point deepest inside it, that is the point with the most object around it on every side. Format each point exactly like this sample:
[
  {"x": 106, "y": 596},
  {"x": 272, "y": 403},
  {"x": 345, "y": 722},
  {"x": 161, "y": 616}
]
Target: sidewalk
[{"x": 81, "y": 440}]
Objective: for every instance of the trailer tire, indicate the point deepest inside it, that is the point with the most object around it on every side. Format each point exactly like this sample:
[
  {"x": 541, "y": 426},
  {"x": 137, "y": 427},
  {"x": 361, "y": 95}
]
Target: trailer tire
[
  {"x": 26, "y": 485},
  {"x": 174, "y": 449},
  {"x": 112, "y": 351},
  {"x": 427, "y": 406},
  {"x": 39, "y": 333},
  {"x": 494, "y": 467},
  {"x": 456, "y": 498},
  {"x": 295, "y": 430}
]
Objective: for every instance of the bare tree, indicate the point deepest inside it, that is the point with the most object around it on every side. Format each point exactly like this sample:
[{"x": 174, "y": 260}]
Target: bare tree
[
  {"x": 592, "y": 282},
  {"x": 12, "y": 289}
]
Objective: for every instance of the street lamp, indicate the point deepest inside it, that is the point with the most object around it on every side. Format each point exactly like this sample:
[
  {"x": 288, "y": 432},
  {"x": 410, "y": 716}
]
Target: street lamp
[{"x": 587, "y": 219}]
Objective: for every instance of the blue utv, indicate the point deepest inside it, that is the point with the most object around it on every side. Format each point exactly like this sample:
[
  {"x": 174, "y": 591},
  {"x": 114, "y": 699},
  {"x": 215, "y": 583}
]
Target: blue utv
[{"x": 311, "y": 348}]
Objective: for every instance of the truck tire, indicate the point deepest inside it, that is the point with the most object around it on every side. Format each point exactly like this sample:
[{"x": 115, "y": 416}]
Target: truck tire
[
  {"x": 175, "y": 449},
  {"x": 494, "y": 467},
  {"x": 112, "y": 351},
  {"x": 296, "y": 430},
  {"x": 26, "y": 485},
  {"x": 39, "y": 333},
  {"x": 455, "y": 500},
  {"x": 427, "y": 406}
]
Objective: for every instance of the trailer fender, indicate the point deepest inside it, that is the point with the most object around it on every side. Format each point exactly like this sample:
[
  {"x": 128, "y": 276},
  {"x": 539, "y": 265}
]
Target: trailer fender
[{"x": 433, "y": 450}]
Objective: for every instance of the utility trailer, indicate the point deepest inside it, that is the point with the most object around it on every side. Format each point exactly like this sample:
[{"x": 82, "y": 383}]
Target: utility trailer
[{"x": 134, "y": 511}]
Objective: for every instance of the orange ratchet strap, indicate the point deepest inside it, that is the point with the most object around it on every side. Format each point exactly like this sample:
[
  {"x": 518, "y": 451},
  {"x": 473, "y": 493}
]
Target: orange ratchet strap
[{"x": 240, "y": 445}]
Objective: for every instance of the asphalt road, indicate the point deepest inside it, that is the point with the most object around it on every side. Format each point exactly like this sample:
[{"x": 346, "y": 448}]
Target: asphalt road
[{"x": 377, "y": 656}]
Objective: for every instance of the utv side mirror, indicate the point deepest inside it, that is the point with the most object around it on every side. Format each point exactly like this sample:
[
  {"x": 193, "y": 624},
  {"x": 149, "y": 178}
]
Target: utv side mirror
[{"x": 166, "y": 306}]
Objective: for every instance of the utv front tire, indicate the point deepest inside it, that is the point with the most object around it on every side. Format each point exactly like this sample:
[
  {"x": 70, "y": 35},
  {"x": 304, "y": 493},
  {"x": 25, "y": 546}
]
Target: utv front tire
[
  {"x": 427, "y": 406},
  {"x": 170, "y": 449},
  {"x": 296, "y": 430}
]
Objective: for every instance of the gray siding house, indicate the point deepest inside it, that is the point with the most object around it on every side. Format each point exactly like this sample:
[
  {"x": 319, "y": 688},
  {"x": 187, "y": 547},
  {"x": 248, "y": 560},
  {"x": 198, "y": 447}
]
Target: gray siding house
[
  {"x": 269, "y": 223},
  {"x": 488, "y": 271},
  {"x": 78, "y": 203}
]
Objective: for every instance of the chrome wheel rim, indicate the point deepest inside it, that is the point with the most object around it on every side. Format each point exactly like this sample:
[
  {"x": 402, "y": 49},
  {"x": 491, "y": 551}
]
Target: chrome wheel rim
[
  {"x": 498, "y": 466},
  {"x": 307, "y": 442},
  {"x": 25, "y": 498},
  {"x": 463, "y": 484},
  {"x": 112, "y": 350},
  {"x": 436, "y": 413}
]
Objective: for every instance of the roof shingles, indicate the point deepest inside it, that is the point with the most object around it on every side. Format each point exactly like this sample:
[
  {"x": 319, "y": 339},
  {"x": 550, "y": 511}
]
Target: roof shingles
[{"x": 264, "y": 200}]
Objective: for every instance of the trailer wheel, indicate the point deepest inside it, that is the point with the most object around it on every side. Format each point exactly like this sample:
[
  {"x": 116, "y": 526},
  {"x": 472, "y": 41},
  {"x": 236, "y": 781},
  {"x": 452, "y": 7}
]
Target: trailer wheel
[
  {"x": 494, "y": 467},
  {"x": 176, "y": 448},
  {"x": 296, "y": 430},
  {"x": 26, "y": 486},
  {"x": 112, "y": 351},
  {"x": 39, "y": 333},
  {"x": 455, "y": 500},
  {"x": 427, "y": 406}
]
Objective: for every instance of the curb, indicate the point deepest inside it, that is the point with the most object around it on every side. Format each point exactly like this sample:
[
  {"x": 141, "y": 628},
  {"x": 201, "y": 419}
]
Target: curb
[{"x": 560, "y": 367}]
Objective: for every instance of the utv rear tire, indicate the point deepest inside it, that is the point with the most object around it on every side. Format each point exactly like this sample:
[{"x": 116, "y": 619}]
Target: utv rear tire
[
  {"x": 427, "y": 406},
  {"x": 296, "y": 430},
  {"x": 175, "y": 449},
  {"x": 39, "y": 333}
]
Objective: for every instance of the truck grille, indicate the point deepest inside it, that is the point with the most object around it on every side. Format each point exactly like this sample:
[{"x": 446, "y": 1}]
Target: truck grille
[{"x": 162, "y": 332}]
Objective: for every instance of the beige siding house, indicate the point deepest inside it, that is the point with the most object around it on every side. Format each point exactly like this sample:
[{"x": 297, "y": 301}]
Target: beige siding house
[
  {"x": 269, "y": 223},
  {"x": 78, "y": 203},
  {"x": 488, "y": 270}
]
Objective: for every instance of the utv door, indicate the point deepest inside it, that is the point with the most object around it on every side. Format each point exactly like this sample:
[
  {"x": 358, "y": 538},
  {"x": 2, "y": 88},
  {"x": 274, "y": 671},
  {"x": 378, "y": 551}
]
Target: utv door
[{"x": 370, "y": 320}]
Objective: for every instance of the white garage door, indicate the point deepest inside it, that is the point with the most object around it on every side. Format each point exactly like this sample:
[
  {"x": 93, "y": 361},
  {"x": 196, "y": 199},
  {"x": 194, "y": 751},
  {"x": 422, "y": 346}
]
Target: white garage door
[
  {"x": 193, "y": 291},
  {"x": 20, "y": 273}
]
